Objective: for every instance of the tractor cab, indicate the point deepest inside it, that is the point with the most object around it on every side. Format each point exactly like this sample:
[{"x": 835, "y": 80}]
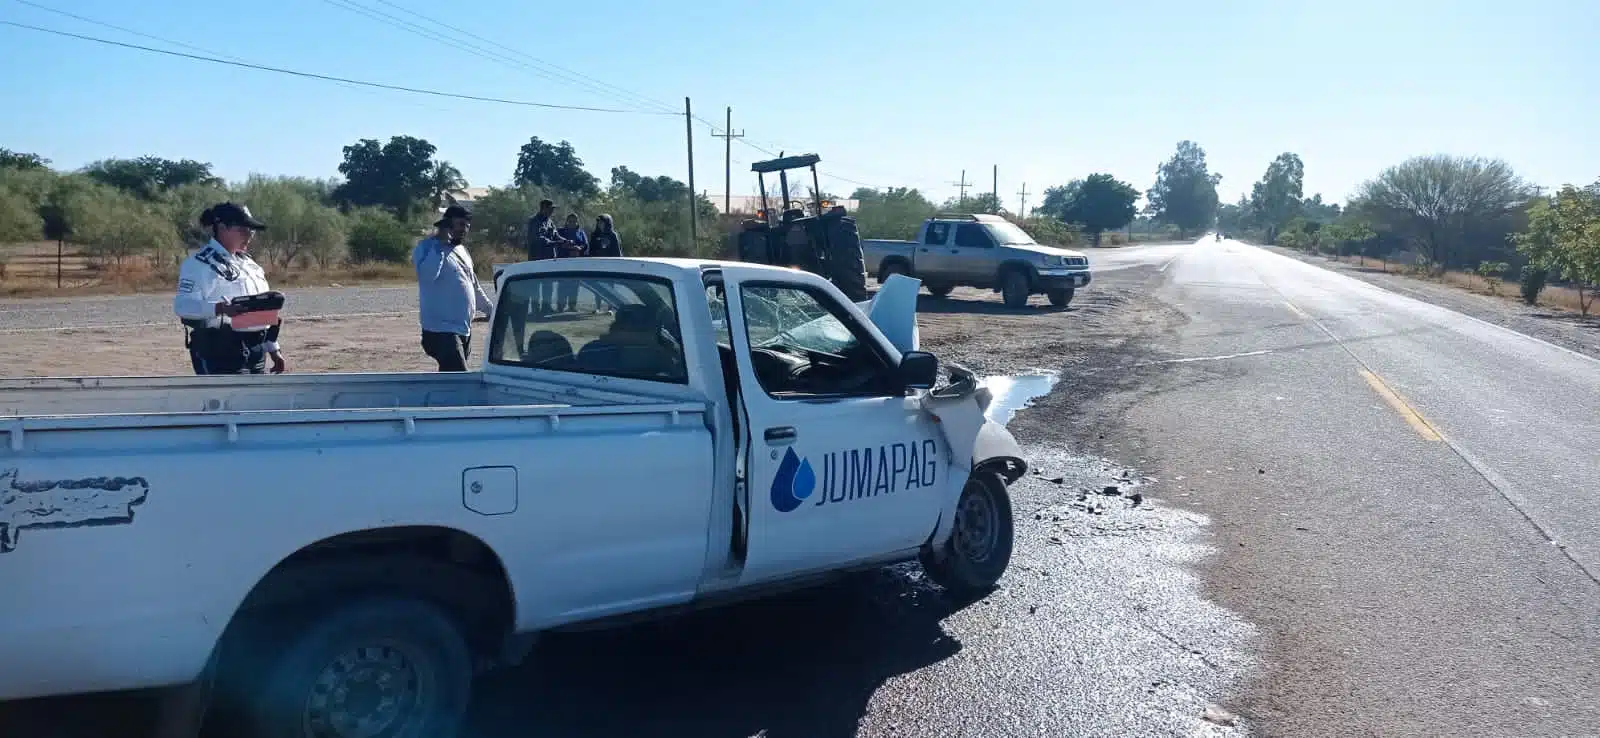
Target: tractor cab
[{"x": 814, "y": 235}]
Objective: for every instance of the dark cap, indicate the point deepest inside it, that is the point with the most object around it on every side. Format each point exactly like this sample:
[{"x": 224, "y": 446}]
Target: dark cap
[
  {"x": 230, "y": 214},
  {"x": 546, "y": 204},
  {"x": 454, "y": 211}
]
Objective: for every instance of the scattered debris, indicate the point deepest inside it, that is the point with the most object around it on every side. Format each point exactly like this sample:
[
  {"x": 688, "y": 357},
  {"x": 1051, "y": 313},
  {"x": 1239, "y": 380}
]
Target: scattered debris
[
  {"x": 1261, "y": 471},
  {"x": 1111, "y": 490},
  {"x": 1136, "y": 498},
  {"x": 1057, "y": 480},
  {"x": 1220, "y": 716},
  {"x": 1302, "y": 528}
]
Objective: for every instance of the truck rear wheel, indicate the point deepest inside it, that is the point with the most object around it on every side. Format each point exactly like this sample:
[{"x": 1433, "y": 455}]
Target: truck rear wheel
[
  {"x": 389, "y": 666},
  {"x": 1014, "y": 288},
  {"x": 1060, "y": 297},
  {"x": 979, "y": 548},
  {"x": 941, "y": 290},
  {"x": 890, "y": 269}
]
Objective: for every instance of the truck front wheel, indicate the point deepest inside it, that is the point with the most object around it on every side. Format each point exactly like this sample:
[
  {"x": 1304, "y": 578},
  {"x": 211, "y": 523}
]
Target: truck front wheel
[
  {"x": 388, "y": 666},
  {"x": 1060, "y": 297},
  {"x": 972, "y": 561},
  {"x": 1014, "y": 288}
]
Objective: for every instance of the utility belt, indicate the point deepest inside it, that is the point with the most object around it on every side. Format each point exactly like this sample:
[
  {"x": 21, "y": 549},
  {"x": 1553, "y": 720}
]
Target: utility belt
[{"x": 219, "y": 337}]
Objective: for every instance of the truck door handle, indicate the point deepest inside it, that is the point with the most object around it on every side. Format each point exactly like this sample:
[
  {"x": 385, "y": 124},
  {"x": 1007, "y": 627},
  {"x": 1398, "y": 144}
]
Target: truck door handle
[
  {"x": 781, "y": 436},
  {"x": 924, "y": 251}
]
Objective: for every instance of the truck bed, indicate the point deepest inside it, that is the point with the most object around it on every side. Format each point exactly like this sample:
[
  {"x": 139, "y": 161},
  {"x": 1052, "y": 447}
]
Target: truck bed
[{"x": 367, "y": 391}]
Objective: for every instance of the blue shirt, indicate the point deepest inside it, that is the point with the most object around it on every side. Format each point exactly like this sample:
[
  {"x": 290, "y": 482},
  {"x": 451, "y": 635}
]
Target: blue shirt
[{"x": 448, "y": 291}]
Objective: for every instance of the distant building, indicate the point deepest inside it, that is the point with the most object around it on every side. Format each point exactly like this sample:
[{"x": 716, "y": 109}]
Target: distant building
[{"x": 464, "y": 197}]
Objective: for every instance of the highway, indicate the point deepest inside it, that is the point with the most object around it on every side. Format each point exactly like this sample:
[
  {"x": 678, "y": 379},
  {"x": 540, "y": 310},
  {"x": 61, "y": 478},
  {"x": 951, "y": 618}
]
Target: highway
[{"x": 1407, "y": 499}]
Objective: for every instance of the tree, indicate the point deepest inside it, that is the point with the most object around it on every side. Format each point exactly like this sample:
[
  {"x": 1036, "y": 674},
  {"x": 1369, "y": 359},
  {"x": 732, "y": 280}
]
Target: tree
[
  {"x": 148, "y": 176},
  {"x": 19, "y": 218},
  {"x": 1235, "y": 217},
  {"x": 895, "y": 212},
  {"x": 1563, "y": 237},
  {"x": 446, "y": 178},
  {"x": 298, "y": 224},
  {"x": 1275, "y": 200},
  {"x": 983, "y": 202},
  {"x": 1056, "y": 199},
  {"x": 1185, "y": 192},
  {"x": 553, "y": 166},
  {"x": 400, "y": 176},
  {"x": 1439, "y": 203},
  {"x": 18, "y": 160},
  {"x": 1098, "y": 203}
]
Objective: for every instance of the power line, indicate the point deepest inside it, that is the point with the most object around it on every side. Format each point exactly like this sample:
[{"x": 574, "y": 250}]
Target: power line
[
  {"x": 191, "y": 47},
  {"x": 648, "y": 100},
  {"x": 331, "y": 78},
  {"x": 140, "y": 34},
  {"x": 469, "y": 47}
]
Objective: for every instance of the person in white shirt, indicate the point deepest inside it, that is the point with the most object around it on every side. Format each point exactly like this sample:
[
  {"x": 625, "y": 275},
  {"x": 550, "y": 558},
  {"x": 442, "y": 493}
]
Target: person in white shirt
[
  {"x": 448, "y": 291},
  {"x": 207, "y": 282}
]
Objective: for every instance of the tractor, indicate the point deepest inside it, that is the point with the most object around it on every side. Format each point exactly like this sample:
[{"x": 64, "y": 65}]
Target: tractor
[{"x": 816, "y": 236}]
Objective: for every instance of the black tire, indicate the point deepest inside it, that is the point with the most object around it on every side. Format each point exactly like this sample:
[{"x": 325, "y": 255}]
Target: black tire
[
  {"x": 978, "y": 552},
  {"x": 889, "y": 269},
  {"x": 407, "y": 651},
  {"x": 1060, "y": 297},
  {"x": 1014, "y": 288},
  {"x": 941, "y": 290}
]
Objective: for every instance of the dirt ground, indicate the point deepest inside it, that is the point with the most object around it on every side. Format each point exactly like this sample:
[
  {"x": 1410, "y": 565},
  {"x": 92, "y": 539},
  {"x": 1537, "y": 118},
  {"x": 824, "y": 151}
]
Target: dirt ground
[{"x": 971, "y": 327}]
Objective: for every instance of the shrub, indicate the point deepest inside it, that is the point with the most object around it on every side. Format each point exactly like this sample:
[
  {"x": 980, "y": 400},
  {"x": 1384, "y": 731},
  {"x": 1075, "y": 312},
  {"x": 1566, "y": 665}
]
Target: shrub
[
  {"x": 375, "y": 235},
  {"x": 1533, "y": 279}
]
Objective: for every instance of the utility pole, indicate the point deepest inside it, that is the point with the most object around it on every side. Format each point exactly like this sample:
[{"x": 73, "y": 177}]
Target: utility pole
[
  {"x": 963, "y": 184},
  {"x": 996, "y": 192},
  {"x": 727, "y": 160},
  {"x": 688, "y": 131},
  {"x": 1022, "y": 209}
]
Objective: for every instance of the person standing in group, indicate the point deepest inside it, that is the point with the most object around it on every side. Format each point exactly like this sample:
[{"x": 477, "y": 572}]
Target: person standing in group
[
  {"x": 545, "y": 242},
  {"x": 448, "y": 291},
  {"x": 604, "y": 242},
  {"x": 208, "y": 281},
  {"x": 567, "y": 289}
]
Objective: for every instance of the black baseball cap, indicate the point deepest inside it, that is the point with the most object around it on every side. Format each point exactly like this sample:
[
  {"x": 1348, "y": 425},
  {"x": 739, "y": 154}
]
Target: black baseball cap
[
  {"x": 231, "y": 214},
  {"x": 454, "y": 211}
]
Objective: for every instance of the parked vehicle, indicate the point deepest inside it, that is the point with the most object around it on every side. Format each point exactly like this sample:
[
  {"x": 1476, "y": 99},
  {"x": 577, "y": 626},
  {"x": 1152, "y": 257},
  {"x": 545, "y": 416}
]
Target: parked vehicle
[
  {"x": 342, "y": 552},
  {"x": 985, "y": 251},
  {"x": 813, "y": 234}
]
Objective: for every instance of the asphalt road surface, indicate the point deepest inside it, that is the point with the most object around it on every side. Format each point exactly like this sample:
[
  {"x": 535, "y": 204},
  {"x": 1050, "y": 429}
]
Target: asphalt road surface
[
  {"x": 1407, "y": 500},
  {"x": 1267, "y": 499}
]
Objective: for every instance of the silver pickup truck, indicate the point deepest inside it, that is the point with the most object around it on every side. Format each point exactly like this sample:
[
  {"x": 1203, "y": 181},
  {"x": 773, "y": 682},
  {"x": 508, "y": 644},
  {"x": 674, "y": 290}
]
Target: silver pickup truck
[{"x": 985, "y": 251}]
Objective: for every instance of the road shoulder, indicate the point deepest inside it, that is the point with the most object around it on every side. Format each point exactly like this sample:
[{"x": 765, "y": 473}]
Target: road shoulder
[{"x": 1562, "y": 328}]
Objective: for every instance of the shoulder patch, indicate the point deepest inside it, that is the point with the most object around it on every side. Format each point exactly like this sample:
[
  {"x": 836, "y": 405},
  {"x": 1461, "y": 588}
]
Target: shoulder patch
[{"x": 185, "y": 286}]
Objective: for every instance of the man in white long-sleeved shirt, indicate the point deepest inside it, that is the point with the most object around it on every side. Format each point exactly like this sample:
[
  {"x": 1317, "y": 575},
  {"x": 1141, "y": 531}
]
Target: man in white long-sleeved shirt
[{"x": 448, "y": 291}]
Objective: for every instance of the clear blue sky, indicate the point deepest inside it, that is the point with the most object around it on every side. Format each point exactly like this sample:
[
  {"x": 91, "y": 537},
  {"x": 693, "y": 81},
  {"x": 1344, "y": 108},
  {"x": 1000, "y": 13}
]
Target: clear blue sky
[{"x": 889, "y": 93}]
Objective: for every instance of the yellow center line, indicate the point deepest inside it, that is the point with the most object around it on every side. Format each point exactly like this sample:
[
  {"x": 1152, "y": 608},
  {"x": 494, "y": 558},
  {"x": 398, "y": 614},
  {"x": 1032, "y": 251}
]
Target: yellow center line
[
  {"x": 1412, "y": 417},
  {"x": 1296, "y": 310}
]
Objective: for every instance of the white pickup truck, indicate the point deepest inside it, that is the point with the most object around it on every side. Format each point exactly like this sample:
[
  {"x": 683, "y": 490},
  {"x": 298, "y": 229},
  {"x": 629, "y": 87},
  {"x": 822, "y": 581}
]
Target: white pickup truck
[{"x": 339, "y": 554}]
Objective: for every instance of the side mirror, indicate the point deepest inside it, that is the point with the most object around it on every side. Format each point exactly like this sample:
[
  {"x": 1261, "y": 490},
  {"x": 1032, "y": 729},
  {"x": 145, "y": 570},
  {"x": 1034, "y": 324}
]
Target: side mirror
[{"x": 917, "y": 370}]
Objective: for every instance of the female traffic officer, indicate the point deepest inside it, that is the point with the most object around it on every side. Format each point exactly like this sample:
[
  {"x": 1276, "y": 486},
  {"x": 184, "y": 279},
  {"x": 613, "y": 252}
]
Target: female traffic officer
[{"x": 220, "y": 271}]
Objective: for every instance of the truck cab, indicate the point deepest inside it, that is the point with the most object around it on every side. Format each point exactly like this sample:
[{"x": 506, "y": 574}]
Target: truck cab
[{"x": 984, "y": 251}]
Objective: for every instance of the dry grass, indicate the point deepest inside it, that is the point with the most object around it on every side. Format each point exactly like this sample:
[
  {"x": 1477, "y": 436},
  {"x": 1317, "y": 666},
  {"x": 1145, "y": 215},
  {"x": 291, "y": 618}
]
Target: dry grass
[
  {"x": 29, "y": 270},
  {"x": 1562, "y": 298}
]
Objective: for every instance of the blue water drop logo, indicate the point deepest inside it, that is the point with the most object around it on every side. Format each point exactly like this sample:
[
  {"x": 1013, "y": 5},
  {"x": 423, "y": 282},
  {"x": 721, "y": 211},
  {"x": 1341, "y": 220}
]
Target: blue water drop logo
[
  {"x": 794, "y": 482},
  {"x": 805, "y": 480}
]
